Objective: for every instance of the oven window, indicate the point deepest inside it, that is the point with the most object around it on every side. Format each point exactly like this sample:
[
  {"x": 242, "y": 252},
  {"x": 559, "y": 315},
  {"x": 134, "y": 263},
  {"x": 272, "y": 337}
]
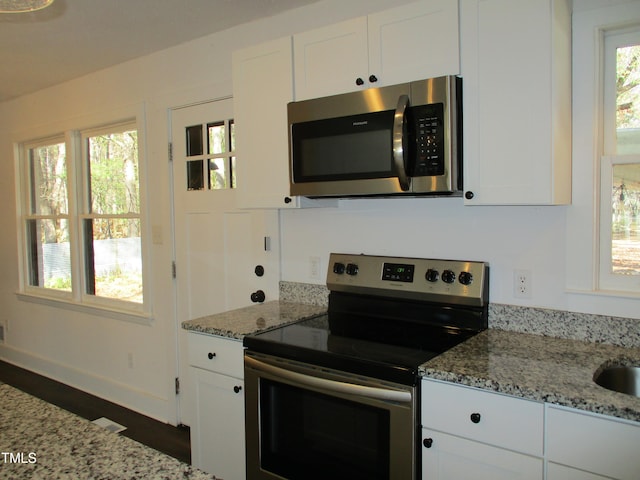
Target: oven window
[{"x": 305, "y": 434}]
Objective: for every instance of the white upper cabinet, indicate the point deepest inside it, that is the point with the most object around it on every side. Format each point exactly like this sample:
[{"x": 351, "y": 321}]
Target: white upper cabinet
[
  {"x": 262, "y": 87},
  {"x": 516, "y": 69},
  {"x": 411, "y": 42}
]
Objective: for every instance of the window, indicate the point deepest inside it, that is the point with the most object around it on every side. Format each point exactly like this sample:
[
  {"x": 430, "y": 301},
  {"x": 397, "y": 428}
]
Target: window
[
  {"x": 81, "y": 217},
  {"x": 620, "y": 166},
  {"x": 213, "y": 145}
]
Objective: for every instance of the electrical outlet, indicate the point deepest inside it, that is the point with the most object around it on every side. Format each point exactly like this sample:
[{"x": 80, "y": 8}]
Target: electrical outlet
[
  {"x": 314, "y": 267},
  {"x": 522, "y": 283}
]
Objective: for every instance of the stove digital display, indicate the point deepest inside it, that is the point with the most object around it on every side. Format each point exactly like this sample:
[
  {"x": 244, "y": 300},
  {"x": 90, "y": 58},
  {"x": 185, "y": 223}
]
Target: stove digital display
[{"x": 398, "y": 272}]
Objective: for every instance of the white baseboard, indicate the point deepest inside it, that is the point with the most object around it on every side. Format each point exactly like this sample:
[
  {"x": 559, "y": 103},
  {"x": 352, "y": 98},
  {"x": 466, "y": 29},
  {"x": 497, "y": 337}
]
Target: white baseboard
[{"x": 103, "y": 387}]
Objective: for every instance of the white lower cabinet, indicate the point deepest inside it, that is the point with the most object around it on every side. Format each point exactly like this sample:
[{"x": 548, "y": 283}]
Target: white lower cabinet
[
  {"x": 217, "y": 433},
  {"x": 562, "y": 472},
  {"x": 581, "y": 445},
  {"x": 455, "y": 458},
  {"x": 470, "y": 433}
]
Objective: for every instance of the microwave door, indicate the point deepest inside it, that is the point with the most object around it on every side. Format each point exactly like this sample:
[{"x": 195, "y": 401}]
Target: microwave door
[{"x": 400, "y": 142}]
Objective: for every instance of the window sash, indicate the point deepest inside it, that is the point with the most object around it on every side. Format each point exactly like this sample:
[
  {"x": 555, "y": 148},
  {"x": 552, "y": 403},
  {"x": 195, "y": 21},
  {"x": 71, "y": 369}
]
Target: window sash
[{"x": 606, "y": 279}]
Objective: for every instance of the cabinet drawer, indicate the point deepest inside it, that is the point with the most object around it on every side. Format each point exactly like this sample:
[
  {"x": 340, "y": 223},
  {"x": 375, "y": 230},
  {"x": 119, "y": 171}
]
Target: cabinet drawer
[
  {"x": 487, "y": 417},
  {"x": 216, "y": 354},
  {"x": 597, "y": 444}
]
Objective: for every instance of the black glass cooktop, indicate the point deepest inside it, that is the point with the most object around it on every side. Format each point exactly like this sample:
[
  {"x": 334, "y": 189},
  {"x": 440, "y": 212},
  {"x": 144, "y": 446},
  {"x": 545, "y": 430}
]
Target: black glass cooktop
[{"x": 392, "y": 355}]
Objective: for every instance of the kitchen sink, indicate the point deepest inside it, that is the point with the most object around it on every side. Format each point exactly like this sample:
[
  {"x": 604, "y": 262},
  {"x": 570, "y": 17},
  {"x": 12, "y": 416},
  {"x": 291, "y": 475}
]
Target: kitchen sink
[{"x": 619, "y": 378}]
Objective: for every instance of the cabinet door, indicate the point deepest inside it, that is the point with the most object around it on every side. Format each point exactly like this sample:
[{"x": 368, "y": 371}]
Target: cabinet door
[
  {"x": 217, "y": 436},
  {"x": 516, "y": 66},
  {"x": 414, "y": 41},
  {"x": 593, "y": 443},
  {"x": 262, "y": 87},
  {"x": 454, "y": 458},
  {"x": 560, "y": 472},
  {"x": 329, "y": 60}
]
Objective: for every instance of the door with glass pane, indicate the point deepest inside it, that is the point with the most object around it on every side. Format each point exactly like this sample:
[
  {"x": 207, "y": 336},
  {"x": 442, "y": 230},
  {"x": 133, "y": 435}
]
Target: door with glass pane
[{"x": 217, "y": 246}]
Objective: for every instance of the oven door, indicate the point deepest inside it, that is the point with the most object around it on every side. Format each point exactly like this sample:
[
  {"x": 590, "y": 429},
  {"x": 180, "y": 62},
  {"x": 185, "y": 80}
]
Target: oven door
[{"x": 313, "y": 423}]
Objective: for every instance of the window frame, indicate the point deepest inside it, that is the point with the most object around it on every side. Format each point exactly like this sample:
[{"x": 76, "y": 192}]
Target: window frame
[
  {"x": 78, "y": 208},
  {"x": 606, "y": 280}
]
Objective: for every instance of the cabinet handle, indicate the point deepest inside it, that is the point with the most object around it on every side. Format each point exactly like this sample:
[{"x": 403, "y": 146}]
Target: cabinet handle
[
  {"x": 468, "y": 195},
  {"x": 359, "y": 81},
  {"x": 210, "y": 355},
  {"x": 475, "y": 417},
  {"x": 373, "y": 78},
  {"x": 237, "y": 388},
  {"x": 427, "y": 442}
]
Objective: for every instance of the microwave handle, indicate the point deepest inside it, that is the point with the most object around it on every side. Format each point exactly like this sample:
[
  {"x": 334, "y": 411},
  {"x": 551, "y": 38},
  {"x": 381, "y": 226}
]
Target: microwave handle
[{"x": 399, "y": 148}]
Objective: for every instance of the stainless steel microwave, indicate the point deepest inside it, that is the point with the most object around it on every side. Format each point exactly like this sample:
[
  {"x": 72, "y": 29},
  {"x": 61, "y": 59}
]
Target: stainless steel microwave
[{"x": 396, "y": 140}]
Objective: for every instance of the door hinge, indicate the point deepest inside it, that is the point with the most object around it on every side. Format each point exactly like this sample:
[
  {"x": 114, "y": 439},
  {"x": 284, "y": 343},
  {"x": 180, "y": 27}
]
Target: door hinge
[
  {"x": 173, "y": 269},
  {"x": 170, "y": 151},
  {"x": 177, "y": 386}
]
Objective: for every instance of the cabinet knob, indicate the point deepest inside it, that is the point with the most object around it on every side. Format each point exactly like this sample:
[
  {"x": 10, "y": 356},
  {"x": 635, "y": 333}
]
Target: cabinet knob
[
  {"x": 210, "y": 355},
  {"x": 359, "y": 81},
  {"x": 258, "y": 296},
  {"x": 259, "y": 270},
  {"x": 237, "y": 388},
  {"x": 373, "y": 78},
  {"x": 475, "y": 417},
  {"x": 427, "y": 442},
  {"x": 468, "y": 195},
  {"x": 287, "y": 199}
]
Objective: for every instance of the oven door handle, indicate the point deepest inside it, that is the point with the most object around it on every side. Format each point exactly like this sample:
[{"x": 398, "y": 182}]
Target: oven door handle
[{"x": 330, "y": 385}]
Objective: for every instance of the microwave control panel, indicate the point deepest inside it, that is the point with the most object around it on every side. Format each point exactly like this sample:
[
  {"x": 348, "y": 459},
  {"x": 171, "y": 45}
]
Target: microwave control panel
[{"x": 429, "y": 141}]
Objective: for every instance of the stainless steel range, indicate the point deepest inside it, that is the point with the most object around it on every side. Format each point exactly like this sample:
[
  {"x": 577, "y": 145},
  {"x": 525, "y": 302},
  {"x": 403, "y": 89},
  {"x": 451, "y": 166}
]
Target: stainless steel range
[{"x": 337, "y": 396}]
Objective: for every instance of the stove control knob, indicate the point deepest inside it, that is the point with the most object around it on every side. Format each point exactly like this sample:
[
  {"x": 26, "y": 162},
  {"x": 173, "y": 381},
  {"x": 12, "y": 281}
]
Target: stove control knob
[
  {"x": 432, "y": 275},
  {"x": 338, "y": 268},
  {"x": 465, "y": 278},
  {"x": 448, "y": 276},
  {"x": 352, "y": 269}
]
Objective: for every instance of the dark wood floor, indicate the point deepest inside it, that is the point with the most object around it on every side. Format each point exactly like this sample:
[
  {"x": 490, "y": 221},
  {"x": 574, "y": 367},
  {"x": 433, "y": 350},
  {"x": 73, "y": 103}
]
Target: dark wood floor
[{"x": 166, "y": 438}]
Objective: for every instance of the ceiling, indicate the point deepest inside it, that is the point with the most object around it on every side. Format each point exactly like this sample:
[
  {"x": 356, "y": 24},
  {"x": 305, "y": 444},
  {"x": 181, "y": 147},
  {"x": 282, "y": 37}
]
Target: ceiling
[{"x": 74, "y": 37}]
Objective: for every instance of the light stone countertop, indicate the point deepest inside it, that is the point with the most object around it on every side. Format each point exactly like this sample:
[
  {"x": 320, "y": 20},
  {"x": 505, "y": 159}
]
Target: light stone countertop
[
  {"x": 535, "y": 367},
  {"x": 531, "y": 366},
  {"x": 40, "y": 441},
  {"x": 253, "y": 319}
]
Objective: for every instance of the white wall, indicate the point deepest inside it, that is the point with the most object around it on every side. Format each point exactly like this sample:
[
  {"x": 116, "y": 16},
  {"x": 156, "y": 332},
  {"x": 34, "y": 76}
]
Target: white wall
[{"x": 85, "y": 348}]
